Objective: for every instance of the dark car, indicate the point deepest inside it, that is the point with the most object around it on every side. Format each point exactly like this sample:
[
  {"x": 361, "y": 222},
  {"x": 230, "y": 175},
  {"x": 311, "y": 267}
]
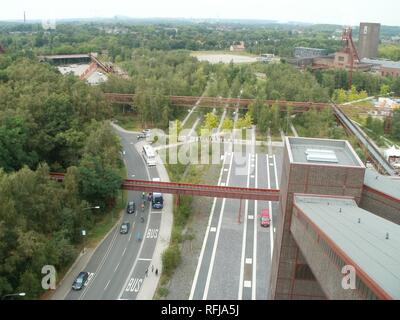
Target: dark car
[
  {"x": 131, "y": 208},
  {"x": 80, "y": 281},
  {"x": 124, "y": 229}
]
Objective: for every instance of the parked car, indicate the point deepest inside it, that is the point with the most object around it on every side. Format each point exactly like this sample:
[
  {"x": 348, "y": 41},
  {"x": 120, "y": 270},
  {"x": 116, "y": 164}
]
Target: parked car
[
  {"x": 80, "y": 281},
  {"x": 124, "y": 229},
  {"x": 131, "y": 208},
  {"x": 147, "y": 133},
  {"x": 265, "y": 218}
]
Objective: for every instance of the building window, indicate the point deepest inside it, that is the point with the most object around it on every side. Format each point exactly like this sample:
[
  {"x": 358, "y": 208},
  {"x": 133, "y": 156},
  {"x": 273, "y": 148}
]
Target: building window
[{"x": 341, "y": 59}]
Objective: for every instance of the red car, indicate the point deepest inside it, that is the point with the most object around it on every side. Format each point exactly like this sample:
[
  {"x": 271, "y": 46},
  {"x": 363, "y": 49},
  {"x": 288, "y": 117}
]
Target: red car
[{"x": 265, "y": 218}]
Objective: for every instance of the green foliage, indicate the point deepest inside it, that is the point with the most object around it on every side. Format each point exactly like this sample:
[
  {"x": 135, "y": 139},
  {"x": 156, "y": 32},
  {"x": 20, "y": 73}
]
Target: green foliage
[
  {"x": 396, "y": 124},
  {"x": 171, "y": 259},
  {"x": 341, "y": 95},
  {"x": 227, "y": 124},
  {"x": 385, "y": 89},
  {"x": 48, "y": 118},
  {"x": 389, "y": 51},
  {"x": 99, "y": 183},
  {"x": 211, "y": 121},
  {"x": 375, "y": 125}
]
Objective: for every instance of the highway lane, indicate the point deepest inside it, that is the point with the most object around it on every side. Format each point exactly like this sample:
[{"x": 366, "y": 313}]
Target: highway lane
[
  {"x": 235, "y": 260},
  {"x": 116, "y": 260}
]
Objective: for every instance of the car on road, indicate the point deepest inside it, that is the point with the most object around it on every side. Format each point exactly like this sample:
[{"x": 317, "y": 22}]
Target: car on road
[
  {"x": 124, "y": 229},
  {"x": 131, "y": 208},
  {"x": 80, "y": 281},
  {"x": 265, "y": 218},
  {"x": 141, "y": 136},
  {"x": 157, "y": 201}
]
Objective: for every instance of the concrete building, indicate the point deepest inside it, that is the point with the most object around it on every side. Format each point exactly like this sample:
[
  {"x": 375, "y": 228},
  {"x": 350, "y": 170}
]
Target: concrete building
[
  {"x": 310, "y": 166},
  {"x": 304, "y": 52},
  {"x": 381, "y": 196},
  {"x": 368, "y": 40},
  {"x": 334, "y": 233},
  {"x": 384, "y": 67},
  {"x": 322, "y": 228}
]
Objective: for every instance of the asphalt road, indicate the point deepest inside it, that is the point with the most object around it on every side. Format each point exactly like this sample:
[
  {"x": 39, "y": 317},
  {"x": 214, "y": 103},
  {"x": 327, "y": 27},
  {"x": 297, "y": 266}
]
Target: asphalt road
[
  {"x": 235, "y": 260},
  {"x": 118, "y": 266}
]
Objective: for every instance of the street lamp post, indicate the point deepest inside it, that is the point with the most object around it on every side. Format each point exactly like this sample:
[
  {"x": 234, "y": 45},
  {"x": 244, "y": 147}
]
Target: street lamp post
[{"x": 20, "y": 294}]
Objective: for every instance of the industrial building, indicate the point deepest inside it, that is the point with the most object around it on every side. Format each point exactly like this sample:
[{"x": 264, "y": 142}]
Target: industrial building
[
  {"x": 384, "y": 67},
  {"x": 303, "y": 52},
  {"x": 368, "y": 41},
  {"x": 321, "y": 226}
]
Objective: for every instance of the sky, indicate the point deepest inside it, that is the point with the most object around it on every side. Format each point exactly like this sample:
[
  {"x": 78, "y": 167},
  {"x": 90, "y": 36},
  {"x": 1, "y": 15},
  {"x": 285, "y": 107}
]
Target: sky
[{"x": 342, "y": 12}]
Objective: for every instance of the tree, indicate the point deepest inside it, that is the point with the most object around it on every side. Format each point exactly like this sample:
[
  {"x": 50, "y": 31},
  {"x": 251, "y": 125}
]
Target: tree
[
  {"x": 227, "y": 124},
  {"x": 210, "y": 121},
  {"x": 385, "y": 89},
  {"x": 396, "y": 124},
  {"x": 99, "y": 184}
]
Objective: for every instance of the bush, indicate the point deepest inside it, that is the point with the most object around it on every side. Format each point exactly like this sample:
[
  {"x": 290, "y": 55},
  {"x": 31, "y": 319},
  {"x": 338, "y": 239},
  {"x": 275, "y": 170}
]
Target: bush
[
  {"x": 163, "y": 292},
  {"x": 171, "y": 259}
]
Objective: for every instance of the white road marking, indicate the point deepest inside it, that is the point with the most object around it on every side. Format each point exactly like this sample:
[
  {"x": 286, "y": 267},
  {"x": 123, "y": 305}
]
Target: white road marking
[
  {"x": 143, "y": 259},
  {"x": 276, "y": 174},
  {"x": 223, "y": 184},
  {"x": 250, "y": 217},
  {"x": 107, "y": 284},
  {"x": 254, "y": 273},
  {"x": 240, "y": 293},
  {"x": 123, "y": 253},
  {"x": 91, "y": 274},
  {"x": 196, "y": 275},
  {"x": 213, "y": 229},
  {"x": 152, "y": 234},
  {"x": 116, "y": 267},
  {"x": 249, "y": 260},
  {"x": 247, "y": 284},
  {"x": 138, "y": 255},
  {"x": 270, "y": 209},
  {"x": 103, "y": 260},
  {"x": 210, "y": 270}
]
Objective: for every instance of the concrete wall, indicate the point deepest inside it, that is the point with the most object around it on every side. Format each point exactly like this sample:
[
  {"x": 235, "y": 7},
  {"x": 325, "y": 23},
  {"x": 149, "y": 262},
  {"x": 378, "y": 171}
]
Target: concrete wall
[
  {"x": 326, "y": 272},
  {"x": 384, "y": 207},
  {"x": 368, "y": 40}
]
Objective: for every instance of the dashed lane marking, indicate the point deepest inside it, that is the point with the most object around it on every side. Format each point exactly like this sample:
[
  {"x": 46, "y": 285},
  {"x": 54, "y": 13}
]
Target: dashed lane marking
[
  {"x": 247, "y": 284},
  {"x": 249, "y": 261}
]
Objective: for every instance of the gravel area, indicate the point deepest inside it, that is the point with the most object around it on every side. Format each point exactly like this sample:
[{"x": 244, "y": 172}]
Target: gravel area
[{"x": 181, "y": 282}]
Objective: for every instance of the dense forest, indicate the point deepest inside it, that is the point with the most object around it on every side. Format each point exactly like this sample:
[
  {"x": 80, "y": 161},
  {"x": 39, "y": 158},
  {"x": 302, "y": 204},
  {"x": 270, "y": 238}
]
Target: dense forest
[{"x": 49, "y": 123}]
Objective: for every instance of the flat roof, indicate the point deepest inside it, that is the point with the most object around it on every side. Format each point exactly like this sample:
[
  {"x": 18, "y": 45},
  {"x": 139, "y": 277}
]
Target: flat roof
[
  {"x": 383, "y": 63},
  {"x": 323, "y": 151},
  {"x": 67, "y": 56},
  {"x": 365, "y": 242},
  {"x": 385, "y": 184}
]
